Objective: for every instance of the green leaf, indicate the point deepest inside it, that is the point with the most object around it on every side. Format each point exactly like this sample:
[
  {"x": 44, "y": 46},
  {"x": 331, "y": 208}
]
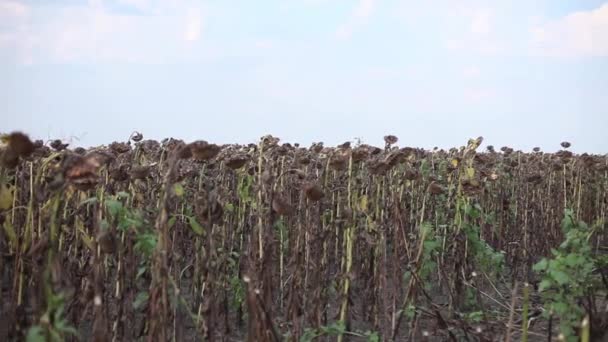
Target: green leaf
[
  {"x": 560, "y": 277},
  {"x": 472, "y": 211},
  {"x": 573, "y": 259},
  {"x": 145, "y": 244},
  {"x": 66, "y": 329},
  {"x": 141, "y": 300},
  {"x": 431, "y": 245},
  {"x": 196, "y": 227},
  {"x": 140, "y": 271},
  {"x": 470, "y": 172},
  {"x": 178, "y": 190},
  {"x": 280, "y": 225},
  {"x": 55, "y": 337},
  {"x": 426, "y": 228},
  {"x": 410, "y": 312},
  {"x": 309, "y": 335},
  {"x": 104, "y": 225},
  {"x": 57, "y": 314},
  {"x": 229, "y": 207},
  {"x": 372, "y": 336},
  {"x": 88, "y": 201},
  {"x": 171, "y": 222},
  {"x": 560, "y": 307},
  {"x": 544, "y": 284},
  {"x": 541, "y": 265},
  {"x": 86, "y": 239},
  {"x": 35, "y": 334},
  {"x": 336, "y": 328},
  {"x": 114, "y": 207},
  {"x": 231, "y": 262},
  {"x": 244, "y": 188},
  {"x": 131, "y": 222},
  {"x": 122, "y": 194}
]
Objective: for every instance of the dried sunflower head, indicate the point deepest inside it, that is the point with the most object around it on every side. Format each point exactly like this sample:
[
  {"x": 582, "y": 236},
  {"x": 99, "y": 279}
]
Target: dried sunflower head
[
  {"x": 81, "y": 171},
  {"x": 435, "y": 188},
  {"x": 136, "y": 136},
  {"x": 120, "y": 148},
  {"x": 20, "y": 144},
  {"x": 281, "y": 206},
  {"x": 317, "y": 147},
  {"x": 390, "y": 140},
  {"x": 313, "y": 191},
  {"x": 57, "y": 145},
  {"x": 140, "y": 171},
  {"x": 237, "y": 161},
  {"x": 202, "y": 150}
]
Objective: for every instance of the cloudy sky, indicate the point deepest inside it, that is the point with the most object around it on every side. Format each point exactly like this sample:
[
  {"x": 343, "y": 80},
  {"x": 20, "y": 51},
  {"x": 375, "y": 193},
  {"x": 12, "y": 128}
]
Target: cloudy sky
[{"x": 434, "y": 73}]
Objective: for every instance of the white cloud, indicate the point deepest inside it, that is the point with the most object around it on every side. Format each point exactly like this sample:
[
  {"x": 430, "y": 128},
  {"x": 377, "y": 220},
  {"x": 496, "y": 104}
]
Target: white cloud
[
  {"x": 579, "y": 34},
  {"x": 344, "y": 31},
  {"x": 314, "y": 2},
  {"x": 194, "y": 22},
  {"x": 90, "y": 33},
  {"x": 478, "y": 95},
  {"x": 479, "y": 35},
  {"x": 386, "y": 73},
  {"x": 471, "y": 72},
  {"x": 13, "y": 16},
  {"x": 481, "y": 22},
  {"x": 14, "y": 28},
  {"x": 473, "y": 44},
  {"x": 358, "y": 17},
  {"x": 142, "y": 5},
  {"x": 264, "y": 44},
  {"x": 364, "y": 9},
  {"x": 12, "y": 9}
]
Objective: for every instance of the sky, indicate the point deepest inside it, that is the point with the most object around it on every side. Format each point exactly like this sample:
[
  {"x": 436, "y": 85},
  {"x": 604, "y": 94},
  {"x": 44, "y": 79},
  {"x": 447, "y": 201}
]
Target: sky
[{"x": 433, "y": 73}]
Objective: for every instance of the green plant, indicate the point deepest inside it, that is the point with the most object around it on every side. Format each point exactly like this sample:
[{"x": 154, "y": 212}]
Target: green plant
[
  {"x": 145, "y": 243},
  {"x": 53, "y": 325},
  {"x": 431, "y": 248},
  {"x": 141, "y": 300},
  {"x": 244, "y": 188},
  {"x": 474, "y": 317},
  {"x": 237, "y": 289},
  {"x": 524, "y": 315},
  {"x": 568, "y": 276},
  {"x": 486, "y": 258},
  {"x": 401, "y": 236},
  {"x": 337, "y": 329},
  {"x": 127, "y": 219}
]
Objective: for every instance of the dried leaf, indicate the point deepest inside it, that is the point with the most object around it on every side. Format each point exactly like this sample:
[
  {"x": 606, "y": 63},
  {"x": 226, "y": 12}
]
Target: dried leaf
[
  {"x": 7, "y": 193},
  {"x": 10, "y": 233}
]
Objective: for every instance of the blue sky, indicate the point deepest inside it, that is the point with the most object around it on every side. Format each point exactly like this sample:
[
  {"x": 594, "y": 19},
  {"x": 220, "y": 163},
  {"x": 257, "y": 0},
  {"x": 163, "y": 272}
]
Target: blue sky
[{"x": 434, "y": 73}]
